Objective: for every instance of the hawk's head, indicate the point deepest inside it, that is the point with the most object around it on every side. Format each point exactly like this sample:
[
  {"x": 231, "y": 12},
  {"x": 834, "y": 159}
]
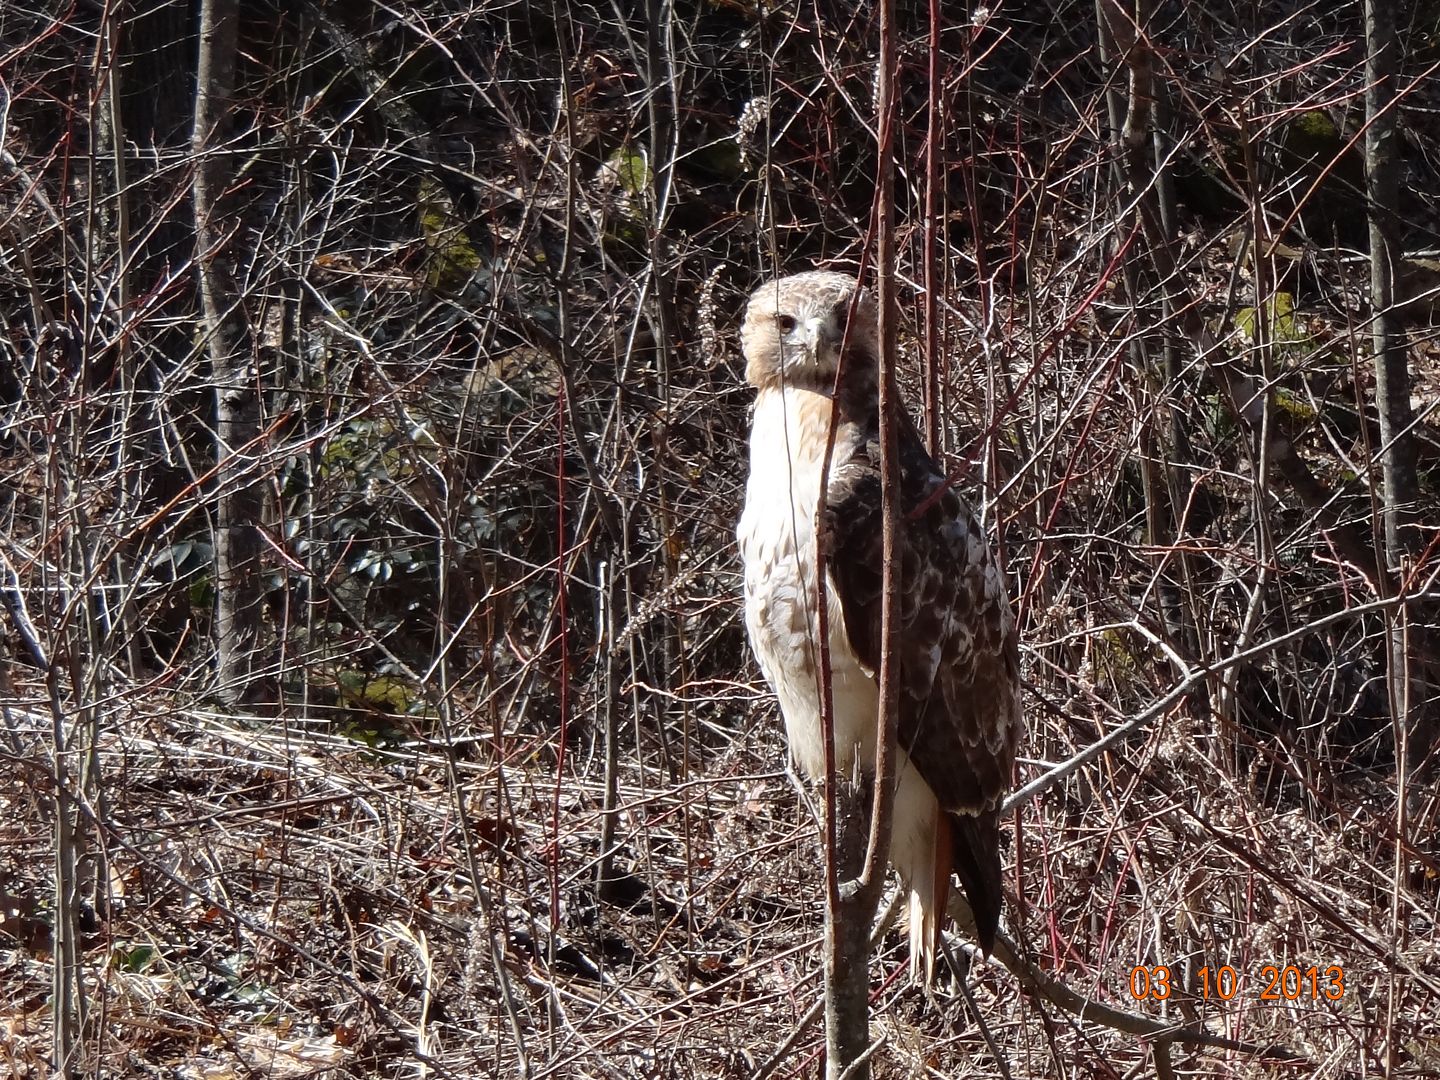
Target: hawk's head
[{"x": 794, "y": 327}]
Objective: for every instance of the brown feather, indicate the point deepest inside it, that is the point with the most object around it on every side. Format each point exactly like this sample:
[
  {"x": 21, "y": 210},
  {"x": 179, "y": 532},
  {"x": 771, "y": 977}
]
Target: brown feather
[
  {"x": 977, "y": 864},
  {"x": 959, "y": 716},
  {"x": 944, "y": 857}
]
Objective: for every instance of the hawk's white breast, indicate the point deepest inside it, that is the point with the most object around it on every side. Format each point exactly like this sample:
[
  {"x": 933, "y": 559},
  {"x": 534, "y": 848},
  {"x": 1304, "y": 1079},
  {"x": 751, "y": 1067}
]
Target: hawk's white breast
[{"x": 777, "y": 542}]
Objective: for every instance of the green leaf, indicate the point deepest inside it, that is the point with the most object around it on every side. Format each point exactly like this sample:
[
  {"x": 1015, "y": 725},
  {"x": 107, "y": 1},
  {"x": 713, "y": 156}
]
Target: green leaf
[
  {"x": 134, "y": 959},
  {"x": 453, "y": 258},
  {"x": 630, "y": 171},
  {"x": 1280, "y": 315}
]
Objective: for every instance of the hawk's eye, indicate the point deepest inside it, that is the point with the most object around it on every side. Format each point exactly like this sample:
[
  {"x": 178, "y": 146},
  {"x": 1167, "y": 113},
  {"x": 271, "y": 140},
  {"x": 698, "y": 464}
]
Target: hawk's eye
[{"x": 785, "y": 322}]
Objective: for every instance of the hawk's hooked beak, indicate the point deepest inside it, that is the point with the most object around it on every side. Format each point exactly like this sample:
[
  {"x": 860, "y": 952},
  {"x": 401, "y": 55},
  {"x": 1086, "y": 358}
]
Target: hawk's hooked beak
[{"x": 816, "y": 335}]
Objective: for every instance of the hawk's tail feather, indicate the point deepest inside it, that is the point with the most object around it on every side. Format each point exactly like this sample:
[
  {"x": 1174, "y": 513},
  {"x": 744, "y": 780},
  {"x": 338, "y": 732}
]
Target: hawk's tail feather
[
  {"x": 977, "y": 864},
  {"x": 929, "y": 901}
]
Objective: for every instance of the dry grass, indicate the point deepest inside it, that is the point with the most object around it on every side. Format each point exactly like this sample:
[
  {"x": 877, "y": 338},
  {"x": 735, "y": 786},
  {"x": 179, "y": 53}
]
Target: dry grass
[{"x": 292, "y": 904}]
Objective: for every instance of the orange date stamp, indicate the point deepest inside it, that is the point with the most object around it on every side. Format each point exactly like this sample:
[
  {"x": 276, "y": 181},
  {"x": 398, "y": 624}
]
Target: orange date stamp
[{"x": 1275, "y": 982}]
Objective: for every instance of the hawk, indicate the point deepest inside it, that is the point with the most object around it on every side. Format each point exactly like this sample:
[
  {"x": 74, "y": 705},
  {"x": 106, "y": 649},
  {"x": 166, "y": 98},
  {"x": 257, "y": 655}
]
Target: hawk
[{"x": 959, "y": 682}]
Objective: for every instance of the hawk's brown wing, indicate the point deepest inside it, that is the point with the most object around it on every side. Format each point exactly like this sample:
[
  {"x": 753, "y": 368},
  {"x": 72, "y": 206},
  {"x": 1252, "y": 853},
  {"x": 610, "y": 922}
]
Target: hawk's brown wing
[{"x": 959, "y": 717}]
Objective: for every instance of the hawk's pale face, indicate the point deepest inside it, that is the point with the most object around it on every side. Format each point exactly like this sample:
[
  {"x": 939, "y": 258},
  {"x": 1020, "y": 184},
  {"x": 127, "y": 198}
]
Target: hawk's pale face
[{"x": 794, "y": 328}]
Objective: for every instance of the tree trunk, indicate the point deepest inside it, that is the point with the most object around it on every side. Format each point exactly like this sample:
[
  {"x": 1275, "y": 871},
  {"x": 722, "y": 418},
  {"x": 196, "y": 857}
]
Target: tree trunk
[
  {"x": 847, "y": 934},
  {"x": 1399, "y": 486},
  {"x": 1392, "y": 374},
  {"x": 237, "y": 502}
]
